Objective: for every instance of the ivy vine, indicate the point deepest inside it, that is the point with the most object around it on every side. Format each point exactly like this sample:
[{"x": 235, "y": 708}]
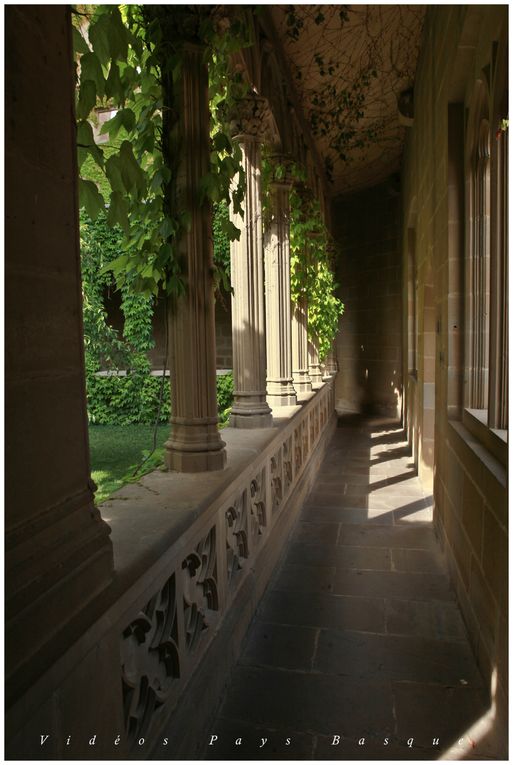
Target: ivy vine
[
  {"x": 311, "y": 252},
  {"x": 131, "y": 60}
]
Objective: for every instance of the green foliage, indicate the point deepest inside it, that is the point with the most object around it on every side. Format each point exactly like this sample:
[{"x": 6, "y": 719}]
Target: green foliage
[
  {"x": 127, "y": 400},
  {"x": 104, "y": 347},
  {"x": 138, "y": 397},
  {"x": 311, "y": 269},
  {"x": 134, "y": 63},
  {"x": 224, "y": 397},
  {"x": 221, "y": 236}
]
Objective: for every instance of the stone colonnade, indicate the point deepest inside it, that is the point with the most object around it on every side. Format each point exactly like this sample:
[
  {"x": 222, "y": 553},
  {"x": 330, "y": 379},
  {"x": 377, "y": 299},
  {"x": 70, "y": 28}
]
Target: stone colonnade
[{"x": 273, "y": 359}]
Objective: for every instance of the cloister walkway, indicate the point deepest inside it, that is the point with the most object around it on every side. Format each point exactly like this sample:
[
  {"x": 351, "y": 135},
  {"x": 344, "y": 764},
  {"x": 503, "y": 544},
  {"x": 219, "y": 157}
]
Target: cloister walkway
[{"x": 359, "y": 635}]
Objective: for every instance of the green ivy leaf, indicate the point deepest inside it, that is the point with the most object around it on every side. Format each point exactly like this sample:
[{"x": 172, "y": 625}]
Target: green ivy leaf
[
  {"x": 113, "y": 168},
  {"x": 90, "y": 198},
  {"x": 117, "y": 35},
  {"x": 79, "y": 44},
  {"x": 113, "y": 86},
  {"x": 86, "y": 99},
  {"x": 133, "y": 177},
  {"x": 99, "y": 37},
  {"x": 91, "y": 69},
  {"x": 118, "y": 212},
  {"x": 86, "y": 144}
]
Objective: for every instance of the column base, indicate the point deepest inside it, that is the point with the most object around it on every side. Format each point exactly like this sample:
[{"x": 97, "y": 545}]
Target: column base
[
  {"x": 195, "y": 447},
  {"x": 247, "y": 421},
  {"x": 302, "y": 382},
  {"x": 195, "y": 462},
  {"x": 281, "y": 393},
  {"x": 250, "y": 410},
  {"x": 276, "y": 400},
  {"x": 315, "y": 377}
]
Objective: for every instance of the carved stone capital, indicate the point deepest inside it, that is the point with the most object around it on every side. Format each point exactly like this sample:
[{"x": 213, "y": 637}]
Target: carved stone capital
[
  {"x": 281, "y": 166},
  {"x": 252, "y": 120}
]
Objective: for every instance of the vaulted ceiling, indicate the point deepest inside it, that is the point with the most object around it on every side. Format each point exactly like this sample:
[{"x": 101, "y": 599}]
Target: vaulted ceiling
[{"x": 350, "y": 64}]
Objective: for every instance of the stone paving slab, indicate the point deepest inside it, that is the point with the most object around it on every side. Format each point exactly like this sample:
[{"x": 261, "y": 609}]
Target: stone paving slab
[
  {"x": 394, "y": 657},
  {"x": 438, "y": 620},
  {"x": 359, "y": 637},
  {"x": 308, "y": 702},
  {"x": 284, "y": 646},
  {"x": 323, "y": 610},
  {"x": 417, "y": 538},
  {"x": 343, "y": 558}
]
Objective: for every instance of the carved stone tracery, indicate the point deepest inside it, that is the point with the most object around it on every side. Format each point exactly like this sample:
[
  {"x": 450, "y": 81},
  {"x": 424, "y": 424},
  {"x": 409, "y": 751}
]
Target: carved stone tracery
[
  {"x": 236, "y": 536},
  {"x": 276, "y": 481},
  {"x": 258, "y": 505},
  {"x": 199, "y": 588},
  {"x": 150, "y": 660}
]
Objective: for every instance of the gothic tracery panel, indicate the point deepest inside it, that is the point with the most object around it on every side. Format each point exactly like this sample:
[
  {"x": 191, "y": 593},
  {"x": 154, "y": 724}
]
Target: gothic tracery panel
[
  {"x": 304, "y": 437},
  {"x": 200, "y": 596},
  {"x": 276, "y": 481},
  {"x": 236, "y": 536},
  {"x": 287, "y": 465},
  {"x": 257, "y": 505},
  {"x": 298, "y": 449},
  {"x": 150, "y": 660}
]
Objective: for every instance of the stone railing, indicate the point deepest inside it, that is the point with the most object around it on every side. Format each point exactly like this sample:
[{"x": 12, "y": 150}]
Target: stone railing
[
  {"x": 193, "y": 555},
  {"x": 171, "y": 627}
]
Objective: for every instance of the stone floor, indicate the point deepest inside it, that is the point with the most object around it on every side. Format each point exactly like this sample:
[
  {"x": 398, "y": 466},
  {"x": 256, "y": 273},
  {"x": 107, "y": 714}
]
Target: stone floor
[{"x": 358, "y": 639}]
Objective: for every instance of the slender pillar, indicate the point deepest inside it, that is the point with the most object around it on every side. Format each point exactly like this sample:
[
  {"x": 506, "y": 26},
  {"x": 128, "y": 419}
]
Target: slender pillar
[
  {"x": 280, "y": 390},
  {"x": 330, "y": 364},
  {"x": 314, "y": 366},
  {"x": 195, "y": 444},
  {"x": 301, "y": 378},
  {"x": 250, "y": 408}
]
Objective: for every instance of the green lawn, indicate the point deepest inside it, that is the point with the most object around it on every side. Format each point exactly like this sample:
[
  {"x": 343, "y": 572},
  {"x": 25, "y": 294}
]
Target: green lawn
[{"x": 117, "y": 449}]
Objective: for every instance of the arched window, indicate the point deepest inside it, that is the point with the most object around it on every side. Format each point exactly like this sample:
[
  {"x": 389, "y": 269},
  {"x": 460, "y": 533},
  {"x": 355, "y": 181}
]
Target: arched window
[
  {"x": 486, "y": 261},
  {"x": 478, "y": 263},
  {"x": 498, "y": 385},
  {"x": 412, "y": 304}
]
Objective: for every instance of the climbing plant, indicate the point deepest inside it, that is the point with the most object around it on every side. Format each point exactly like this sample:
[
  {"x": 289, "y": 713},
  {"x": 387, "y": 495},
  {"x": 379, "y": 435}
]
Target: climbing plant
[
  {"x": 131, "y": 60},
  {"x": 311, "y": 268}
]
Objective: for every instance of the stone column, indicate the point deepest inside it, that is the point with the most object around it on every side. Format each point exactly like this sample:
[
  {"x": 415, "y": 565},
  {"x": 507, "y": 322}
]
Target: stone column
[
  {"x": 195, "y": 444},
  {"x": 314, "y": 366},
  {"x": 280, "y": 390},
  {"x": 250, "y": 408},
  {"x": 330, "y": 364},
  {"x": 300, "y": 376},
  {"x": 58, "y": 555}
]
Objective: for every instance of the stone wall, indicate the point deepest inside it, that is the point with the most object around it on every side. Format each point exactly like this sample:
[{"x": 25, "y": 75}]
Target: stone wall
[
  {"x": 366, "y": 230},
  {"x": 461, "y": 44}
]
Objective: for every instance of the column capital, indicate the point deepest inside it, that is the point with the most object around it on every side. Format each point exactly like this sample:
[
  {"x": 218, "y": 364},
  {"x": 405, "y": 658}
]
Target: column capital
[
  {"x": 281, "y": 167},
  {"x": 251, "y": 120}
]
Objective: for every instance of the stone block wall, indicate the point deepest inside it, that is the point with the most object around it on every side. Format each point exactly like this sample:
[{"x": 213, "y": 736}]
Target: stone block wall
[
  {"x": 461, "y": 45},
  {"x": 368, "y": 350}
]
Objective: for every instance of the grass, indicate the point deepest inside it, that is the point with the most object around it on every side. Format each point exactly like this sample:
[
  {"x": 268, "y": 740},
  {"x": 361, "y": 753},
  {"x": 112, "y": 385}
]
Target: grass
[{"x": 117, "y": 449}]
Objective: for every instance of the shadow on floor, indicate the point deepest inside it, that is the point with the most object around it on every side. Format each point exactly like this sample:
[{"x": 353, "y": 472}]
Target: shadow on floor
[{"x": 358, "y": 649}]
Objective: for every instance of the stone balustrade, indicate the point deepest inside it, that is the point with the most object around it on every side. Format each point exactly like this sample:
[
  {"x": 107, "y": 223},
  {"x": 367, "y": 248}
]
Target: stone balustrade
[
  {"x": 168, "y": 630},
  {"x": 193, "y": 554}
]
